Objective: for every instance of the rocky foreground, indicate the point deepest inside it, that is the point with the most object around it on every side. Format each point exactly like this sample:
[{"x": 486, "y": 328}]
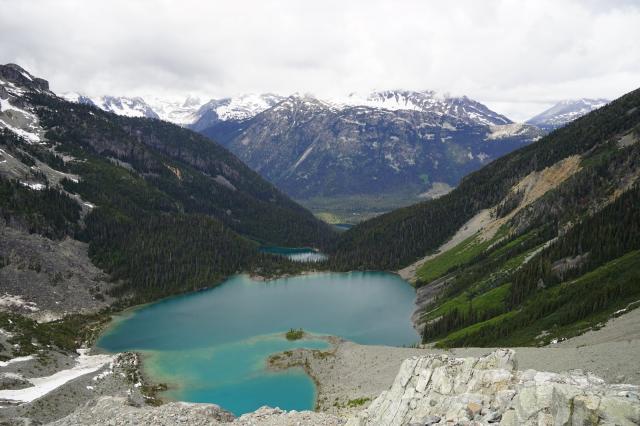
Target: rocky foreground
[
  {"x": 439, "y": 389},
  {"x": 428, "y": 390}
]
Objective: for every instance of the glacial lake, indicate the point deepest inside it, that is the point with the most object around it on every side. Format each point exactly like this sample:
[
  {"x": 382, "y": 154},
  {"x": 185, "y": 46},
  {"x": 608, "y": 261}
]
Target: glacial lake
[{"x": 211, "y": 346}]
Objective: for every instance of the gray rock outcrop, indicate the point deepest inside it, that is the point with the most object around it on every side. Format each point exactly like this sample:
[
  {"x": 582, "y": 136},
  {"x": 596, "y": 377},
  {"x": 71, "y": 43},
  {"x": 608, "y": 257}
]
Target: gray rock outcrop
[{"x": 439, "y": 389}]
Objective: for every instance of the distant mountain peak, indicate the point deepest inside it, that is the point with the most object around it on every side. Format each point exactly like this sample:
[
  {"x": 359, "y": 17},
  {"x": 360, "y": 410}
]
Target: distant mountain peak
[
  {"x": 566, "y": 111},
  {"x": 13, "y": 74},
  {"x": 441, "y": 104},
  {"x": 122, "y": 105}
]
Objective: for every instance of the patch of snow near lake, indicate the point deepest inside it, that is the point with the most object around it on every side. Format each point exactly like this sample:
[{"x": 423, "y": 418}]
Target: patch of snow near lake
[
  {"x": 85, "y": 364},
  {"x": 15, "y": 360},
  {"x": 307, "y": 257}
]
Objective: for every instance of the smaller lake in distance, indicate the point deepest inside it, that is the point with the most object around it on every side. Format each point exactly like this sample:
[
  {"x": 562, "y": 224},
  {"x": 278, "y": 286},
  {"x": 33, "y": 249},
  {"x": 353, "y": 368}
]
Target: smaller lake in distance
[
  {"x": 297, "y": 254},
  {"x": 211, "y": 346}
]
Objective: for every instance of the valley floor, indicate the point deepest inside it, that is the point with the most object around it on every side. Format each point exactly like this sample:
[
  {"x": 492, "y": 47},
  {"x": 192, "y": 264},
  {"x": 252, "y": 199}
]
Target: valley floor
[{"x": 351, "y": 375}]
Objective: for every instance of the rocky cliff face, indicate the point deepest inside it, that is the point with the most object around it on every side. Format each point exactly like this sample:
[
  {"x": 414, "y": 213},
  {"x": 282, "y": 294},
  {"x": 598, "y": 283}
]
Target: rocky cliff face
[{"x": 428, "y": 390}]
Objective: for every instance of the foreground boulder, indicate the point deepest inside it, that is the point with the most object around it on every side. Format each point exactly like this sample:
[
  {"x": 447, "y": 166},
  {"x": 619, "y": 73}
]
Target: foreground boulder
[{"x": 439, "y": 389}]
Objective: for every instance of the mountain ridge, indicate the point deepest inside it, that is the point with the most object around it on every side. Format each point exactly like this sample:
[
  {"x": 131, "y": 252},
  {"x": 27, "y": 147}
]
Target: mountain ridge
[
  {"x": 564, "y": 112},
  {"x": 246, "y": 106}
]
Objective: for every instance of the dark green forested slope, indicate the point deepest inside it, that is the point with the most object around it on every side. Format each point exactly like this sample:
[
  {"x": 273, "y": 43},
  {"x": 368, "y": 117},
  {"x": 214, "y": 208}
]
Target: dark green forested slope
[
  {"x": 163, "y": 209},
  {"x": 398, "y": 238},
  {"x": 587, "y": 273},
  {"x": 197, "y": 176}
]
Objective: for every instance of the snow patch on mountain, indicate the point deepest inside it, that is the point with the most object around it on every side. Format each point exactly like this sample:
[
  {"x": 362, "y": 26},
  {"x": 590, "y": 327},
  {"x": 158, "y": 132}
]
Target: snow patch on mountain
[
  {"x": 18, "y": 120},
  {"x": 121, "y": 105},
  {"x": 565, "y": 111},
  {"x": 199, "y": 115},
  {"x": 129, "y": 107},
  {"x": 182, "y": 112},
  {"x": 440, "y": 104},
  {"x": 245, "y": 106}
]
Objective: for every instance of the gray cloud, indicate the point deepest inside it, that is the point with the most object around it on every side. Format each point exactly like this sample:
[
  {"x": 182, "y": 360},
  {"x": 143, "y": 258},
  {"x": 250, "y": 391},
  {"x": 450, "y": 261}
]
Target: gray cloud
[{"x": 517, "y": 56}]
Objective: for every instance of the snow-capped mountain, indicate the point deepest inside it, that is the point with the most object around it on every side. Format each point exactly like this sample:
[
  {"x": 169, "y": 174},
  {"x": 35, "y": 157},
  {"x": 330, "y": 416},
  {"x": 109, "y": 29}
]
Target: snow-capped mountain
[
  {"x": 190, "y": 112},
  {"x": 235, "y": 109},
  {"x": 462, "y": 108},
  {"x": 370, "y": 143},
  {"x": 382, "y": 143},
  {"x": 564, "y": 112},
  {"x": 198, "y": 115},
  {"x": 181, "y": 112},
  {"x": 121, "y": 105},
  {"x": 16, "y": 114}
]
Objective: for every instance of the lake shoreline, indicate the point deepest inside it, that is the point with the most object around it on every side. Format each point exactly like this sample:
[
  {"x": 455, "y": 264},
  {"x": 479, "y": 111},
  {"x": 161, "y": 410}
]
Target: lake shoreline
[
  {"x": 351, "y": 375},
  {"x": 299, "y": 302},
  {"x": 282, "y": 361}
]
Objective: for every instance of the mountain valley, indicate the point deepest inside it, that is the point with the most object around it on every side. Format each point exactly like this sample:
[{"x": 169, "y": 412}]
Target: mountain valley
[{"x": 109, "y": 212}]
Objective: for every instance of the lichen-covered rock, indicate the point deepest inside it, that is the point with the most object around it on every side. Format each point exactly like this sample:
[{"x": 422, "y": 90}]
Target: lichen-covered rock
[{"x": 438, "y": 389}]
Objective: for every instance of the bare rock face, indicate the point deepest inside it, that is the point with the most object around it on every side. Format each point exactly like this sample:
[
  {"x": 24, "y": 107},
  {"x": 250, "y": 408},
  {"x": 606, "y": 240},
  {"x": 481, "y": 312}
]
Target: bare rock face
[{"x": 438, "y": 389}]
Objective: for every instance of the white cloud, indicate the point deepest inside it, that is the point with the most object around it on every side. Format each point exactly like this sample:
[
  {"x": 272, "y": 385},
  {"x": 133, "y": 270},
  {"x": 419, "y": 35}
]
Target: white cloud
[{"x": 512, "y": 55}]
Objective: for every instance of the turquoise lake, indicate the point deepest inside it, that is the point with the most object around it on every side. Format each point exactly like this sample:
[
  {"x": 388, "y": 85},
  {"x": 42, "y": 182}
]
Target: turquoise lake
[{"x": 211, "y": 346}]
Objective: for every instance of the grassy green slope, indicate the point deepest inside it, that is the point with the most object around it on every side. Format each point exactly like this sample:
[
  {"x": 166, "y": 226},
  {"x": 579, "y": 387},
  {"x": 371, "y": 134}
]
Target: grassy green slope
[
  {"x": 562, "y": 311},
  {"x": 588, "y": 272}
]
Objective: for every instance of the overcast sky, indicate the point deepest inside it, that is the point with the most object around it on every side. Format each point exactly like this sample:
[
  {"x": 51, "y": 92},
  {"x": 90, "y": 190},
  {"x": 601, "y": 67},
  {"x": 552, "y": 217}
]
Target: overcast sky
[{"x": 515, "y": 56}]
